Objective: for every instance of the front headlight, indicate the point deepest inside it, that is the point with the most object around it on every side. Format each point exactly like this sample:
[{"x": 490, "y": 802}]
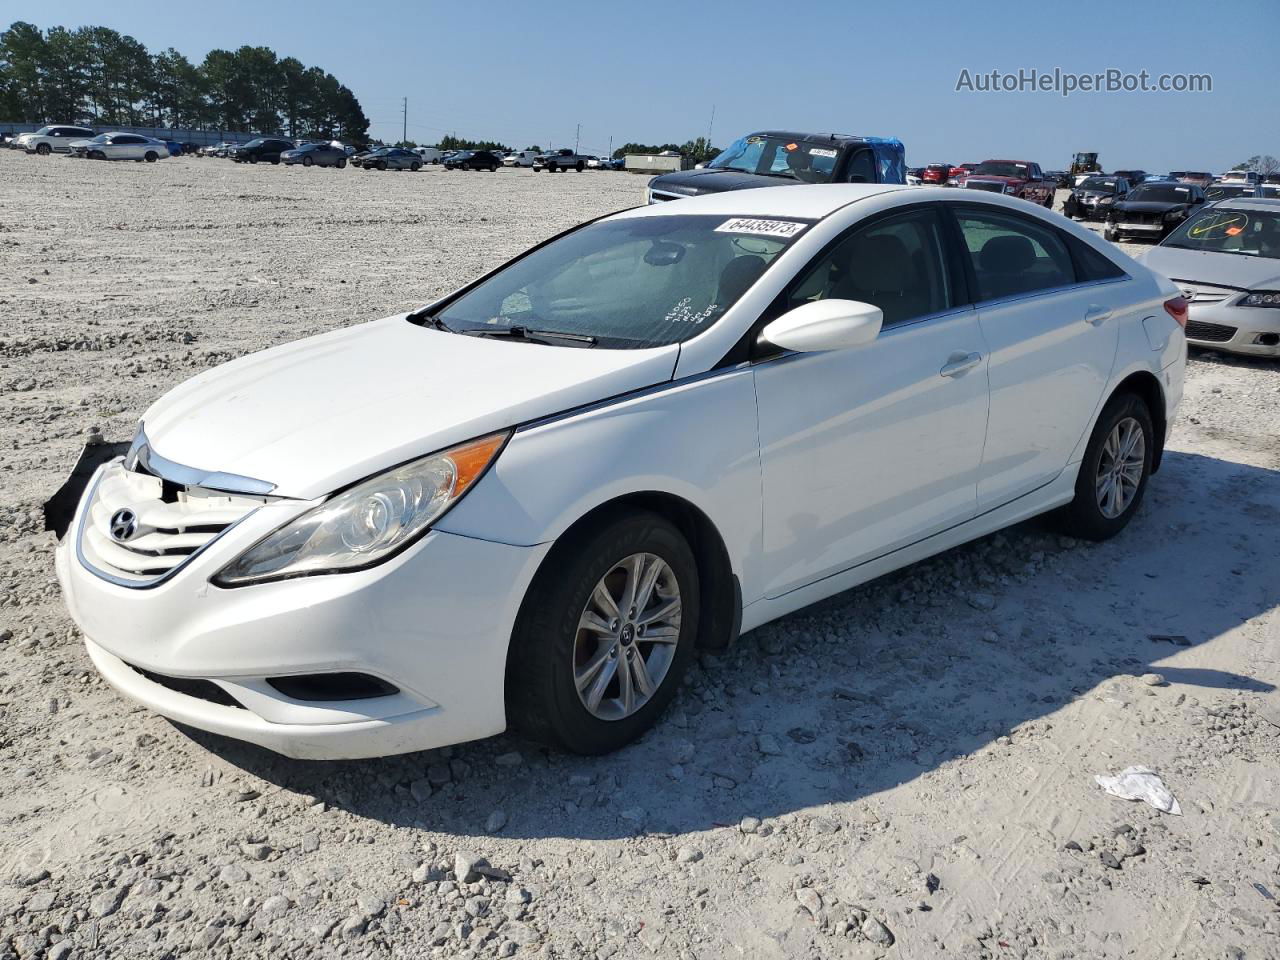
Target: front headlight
[
  {"x": 367, "y": 523},
  {"x": 1010, "y": 189},
  {"x": 1261, "y": 298}
]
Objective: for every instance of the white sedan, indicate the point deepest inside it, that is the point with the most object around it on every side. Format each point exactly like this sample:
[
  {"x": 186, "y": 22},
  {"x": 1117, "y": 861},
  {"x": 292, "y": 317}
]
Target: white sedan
[
  {"x": 532, "y": 502},
  {"x": 121, "y": 146}
]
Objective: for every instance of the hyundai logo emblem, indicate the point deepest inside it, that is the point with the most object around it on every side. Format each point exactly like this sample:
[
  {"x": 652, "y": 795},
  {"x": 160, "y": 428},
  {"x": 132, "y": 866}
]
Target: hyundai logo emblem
[{"x": 124, "y": 524}]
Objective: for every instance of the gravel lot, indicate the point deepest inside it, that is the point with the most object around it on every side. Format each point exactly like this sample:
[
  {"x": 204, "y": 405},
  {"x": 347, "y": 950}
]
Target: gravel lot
[{"x": 904, "y": 771}]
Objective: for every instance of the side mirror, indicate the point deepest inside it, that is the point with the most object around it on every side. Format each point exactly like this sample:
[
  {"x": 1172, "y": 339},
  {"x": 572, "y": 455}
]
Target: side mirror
[{"x": 825, "y": 325}]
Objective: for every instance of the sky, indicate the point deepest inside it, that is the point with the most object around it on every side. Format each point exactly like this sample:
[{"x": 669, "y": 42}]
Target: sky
[{"x": 527, "y": 73}]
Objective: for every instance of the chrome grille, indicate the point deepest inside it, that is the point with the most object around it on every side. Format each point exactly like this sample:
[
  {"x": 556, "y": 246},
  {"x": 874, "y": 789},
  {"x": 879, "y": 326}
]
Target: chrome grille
[
  {"x": 159, "y": 525},
  {"x": 1202, "y": 293},
  {"x": 991, "y": 185}
]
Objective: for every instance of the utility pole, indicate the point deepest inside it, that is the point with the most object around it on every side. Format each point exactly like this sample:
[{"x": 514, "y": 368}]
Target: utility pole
[
  {"x": 610, "y": 146},
  {"x": 711, "y": 125},
  {"x": 576, "y": 137},
  {"x": 404, "y": 134}
]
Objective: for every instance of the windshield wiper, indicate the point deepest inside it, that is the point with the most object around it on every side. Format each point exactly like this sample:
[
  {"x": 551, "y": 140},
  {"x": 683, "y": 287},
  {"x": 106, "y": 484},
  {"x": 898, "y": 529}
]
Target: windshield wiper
[
  {"x": 525, "y": 335},
  {"x": 431, "y": 320},
  {"x": 777, "y": 173}
]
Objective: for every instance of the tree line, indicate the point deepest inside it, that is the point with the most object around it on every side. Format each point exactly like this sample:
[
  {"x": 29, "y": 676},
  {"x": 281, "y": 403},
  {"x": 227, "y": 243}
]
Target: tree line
[
  {"x": 699, "y": 150},
  {"x": 96, "y": 76}
]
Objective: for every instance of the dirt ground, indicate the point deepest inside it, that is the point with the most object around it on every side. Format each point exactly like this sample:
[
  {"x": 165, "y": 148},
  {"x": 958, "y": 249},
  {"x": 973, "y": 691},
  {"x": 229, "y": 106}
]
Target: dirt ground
[{"x": 906, "y": 770}]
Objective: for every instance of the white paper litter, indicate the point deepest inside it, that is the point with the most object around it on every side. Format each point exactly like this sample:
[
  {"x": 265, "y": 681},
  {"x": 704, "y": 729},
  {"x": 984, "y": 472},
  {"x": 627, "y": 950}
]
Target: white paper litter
[{"x": 1141, "y": 783}]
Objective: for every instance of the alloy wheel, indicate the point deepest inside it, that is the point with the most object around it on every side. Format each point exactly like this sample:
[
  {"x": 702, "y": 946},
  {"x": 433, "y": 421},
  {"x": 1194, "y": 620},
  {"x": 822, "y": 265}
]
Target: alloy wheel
[
  {"x": 1120, "y": 468},
  {"x": 626, "y": 637}
]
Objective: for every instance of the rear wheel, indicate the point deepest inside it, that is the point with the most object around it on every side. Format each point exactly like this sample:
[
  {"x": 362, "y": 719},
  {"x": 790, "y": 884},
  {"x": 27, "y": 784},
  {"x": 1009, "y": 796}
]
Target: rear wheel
[
  {"x": 604, "y": 635},
  {"x": 151, "y": 156},
  {"x": 1114, "y": 472}
]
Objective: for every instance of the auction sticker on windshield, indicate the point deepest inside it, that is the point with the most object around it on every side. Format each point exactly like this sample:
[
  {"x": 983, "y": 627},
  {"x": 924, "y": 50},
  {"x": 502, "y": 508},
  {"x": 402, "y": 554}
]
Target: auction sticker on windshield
[{"x": 762, "y": 228}]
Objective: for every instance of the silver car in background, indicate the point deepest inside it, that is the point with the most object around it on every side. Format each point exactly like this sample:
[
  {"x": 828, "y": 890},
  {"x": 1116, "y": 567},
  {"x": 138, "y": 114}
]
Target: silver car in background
[
  {"x": 1226, "y": 261},
  {"x": 121, "y": 146}
]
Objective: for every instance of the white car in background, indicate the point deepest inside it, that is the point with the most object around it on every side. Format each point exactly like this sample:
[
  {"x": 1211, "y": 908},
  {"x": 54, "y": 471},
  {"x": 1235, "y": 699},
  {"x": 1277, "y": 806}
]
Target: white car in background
[
  {"x": 428, "y": 154},
  {"x": 520, "y": 158},
  {"x": 533, "y": 501},
  {"x": 121, "y": 146},
  {"x": 53, "y": 139}
]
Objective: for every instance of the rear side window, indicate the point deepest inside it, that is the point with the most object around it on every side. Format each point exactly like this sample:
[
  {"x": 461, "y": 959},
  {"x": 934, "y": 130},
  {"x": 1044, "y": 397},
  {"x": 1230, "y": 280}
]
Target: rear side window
[
  {"x": 862, "y": 168},
  {"x": 1013, "y": 256},
  {"x": 1092, "y": 265}
]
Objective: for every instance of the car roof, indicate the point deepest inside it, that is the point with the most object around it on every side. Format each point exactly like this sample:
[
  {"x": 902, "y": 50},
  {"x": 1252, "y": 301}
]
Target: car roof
[
  {"x": 1260, "y": 204},
  {"x": 794, "y": 135},
  {"x": 806, "y": 202}
]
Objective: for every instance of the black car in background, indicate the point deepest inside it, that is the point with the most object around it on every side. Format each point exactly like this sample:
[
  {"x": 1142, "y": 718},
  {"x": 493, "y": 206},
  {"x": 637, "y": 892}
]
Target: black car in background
[
  {"x": 1094, "y": 197},
  {"x": 1134, "y": 177},
  {"x": 261, "y": 150},
  {"x": 773, "y": 158},
  {"x": 473, "y": 160},
  {"x": 1152, "y": 210}
]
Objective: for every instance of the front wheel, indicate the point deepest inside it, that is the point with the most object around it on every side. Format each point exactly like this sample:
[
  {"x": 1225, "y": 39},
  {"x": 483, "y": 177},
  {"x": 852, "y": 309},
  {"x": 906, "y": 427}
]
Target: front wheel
[
  {"x": 578, "y": 166},
  {"x": 307, "y": 161},
  {"x": 253, "y": 159},
  {"x": 1111, "y": 233},
  {"x": 382, "y": 164},
  {"x": 604, "y": 635},
  {"x": 415, "y": 166},
  {"x": 342, "y": 162},
  {"x": 43, "y": 149},
  {"x": 1113, "y": 475}
]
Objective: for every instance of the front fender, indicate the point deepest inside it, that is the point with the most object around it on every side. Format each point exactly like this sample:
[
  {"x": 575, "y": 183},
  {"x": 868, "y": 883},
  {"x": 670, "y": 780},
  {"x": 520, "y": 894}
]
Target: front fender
[{"x": 695, "y": 439}]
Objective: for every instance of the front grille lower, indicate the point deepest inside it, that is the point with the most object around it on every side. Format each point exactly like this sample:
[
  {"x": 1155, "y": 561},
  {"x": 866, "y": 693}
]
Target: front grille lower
[
  {"x": 171, "y": 524},
  {"x": 1209, "y": 332},
  {"x": 989, "y": 185}
]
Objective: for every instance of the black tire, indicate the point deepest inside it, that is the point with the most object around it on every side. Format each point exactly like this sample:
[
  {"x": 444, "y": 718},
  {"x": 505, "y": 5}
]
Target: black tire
[
  {"x": 578, "y": 166},
  {"x": 1083, "y": 517},
  {"x": 464, "y": 166},
  {"x": 97, "y": 155},
  {"x": 552, "y": 168},
  {"x": 342, "y": 162},
  {"x": 1111, "y": 234},
  {"x": 150, "y": 156},
  {"x": 542, "y": 700},
  {"x": 382, "y": 165},
  {"x": 307, "y": 161},
  {"x": 493, "y": 169},
  {"x": 253, "y": 159},
  {"x": 415, "y": 166}
]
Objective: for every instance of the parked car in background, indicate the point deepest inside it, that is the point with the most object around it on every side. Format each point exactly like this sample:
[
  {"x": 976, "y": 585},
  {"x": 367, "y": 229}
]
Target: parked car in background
[
  {"x": 1152, "y": 210},
  {"x": 1061, "y": 178},
  {"x": 316, "y": 155},
  {"x": 175, "y": 148},
  {"x": 260, "y": 150},
  {"x": 1251, "y": 177},
  {"x": 557, "y": 161},
  {"x": 1134, "y": 177},
  {"x": 642, "y": 442},
  {"x": 358, "y": 158},
  {"x": 936, "y": 174},
  {"x": 392, "y": 158},
  {"x": 520, "y": 158},
  {"x": 776, "y": 158},
  {"x": 120, "y": 146},
  {"x": 1226, "y": 260},
  {"x": 1230, "y": 191},
  {"x": 1014, "y": 178},
  {"x": 53, "y": 139},
  {"x": 474, "y": 160},
  {"x": 960, "y": 170},
  {"x": 428, "y": 154},
  {"x": 1198, "y": 177},
  {"x": 1094, "y": 196}
]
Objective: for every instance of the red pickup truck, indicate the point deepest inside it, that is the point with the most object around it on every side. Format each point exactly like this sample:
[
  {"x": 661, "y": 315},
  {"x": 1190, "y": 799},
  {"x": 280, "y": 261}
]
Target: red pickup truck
[{"x": 1016, "y": 178}]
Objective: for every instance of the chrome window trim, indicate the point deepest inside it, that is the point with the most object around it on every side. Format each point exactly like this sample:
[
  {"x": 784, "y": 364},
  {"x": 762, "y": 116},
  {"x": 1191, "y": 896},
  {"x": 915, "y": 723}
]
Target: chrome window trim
[
  {"x": 141, "y": 454},
  {"x": 1048, "y": 291},
  {"x": 85, "y": 511}
]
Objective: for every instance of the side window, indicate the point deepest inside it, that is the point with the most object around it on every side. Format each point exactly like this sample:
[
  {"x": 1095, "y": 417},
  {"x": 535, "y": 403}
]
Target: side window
[
  {"x": 1092, "y": 265},
  {"x": 896, "y": 263},
  {"x": 862, "y": 168},
  {"x": 1012, "y": 255}
]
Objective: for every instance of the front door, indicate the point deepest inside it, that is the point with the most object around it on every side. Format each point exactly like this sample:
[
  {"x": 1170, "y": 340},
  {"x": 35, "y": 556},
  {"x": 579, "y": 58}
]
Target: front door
[{"x": 869, "y": 449}]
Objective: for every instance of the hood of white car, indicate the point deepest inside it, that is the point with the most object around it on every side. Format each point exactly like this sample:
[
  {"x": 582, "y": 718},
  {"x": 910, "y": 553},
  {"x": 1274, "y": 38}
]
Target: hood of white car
[
  {"x": 1215, "y": 269},
  {"x": 315, "y": 415}
]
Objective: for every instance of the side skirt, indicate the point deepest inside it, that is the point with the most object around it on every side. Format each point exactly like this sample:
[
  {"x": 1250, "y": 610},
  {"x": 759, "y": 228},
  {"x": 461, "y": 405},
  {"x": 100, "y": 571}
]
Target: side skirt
[{"x": 1060, "y": 491}]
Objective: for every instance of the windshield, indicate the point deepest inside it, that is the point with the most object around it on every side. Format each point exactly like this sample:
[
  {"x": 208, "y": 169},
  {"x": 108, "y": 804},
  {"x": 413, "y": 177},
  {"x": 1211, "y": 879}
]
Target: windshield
[
  {"x": 1001, "y": 168},
  {"x": 1250, "y": 233},
  {"x": 803, "y": 160},
  {"x": 1161, "y": 194},
  {"x": 100, "y": 138},
  {"x": 255, "y": 143},
  {"x": 630, "y": 283},
  {"x": 1097, "y": 183},
  {"x": 1217, "y": 191}
]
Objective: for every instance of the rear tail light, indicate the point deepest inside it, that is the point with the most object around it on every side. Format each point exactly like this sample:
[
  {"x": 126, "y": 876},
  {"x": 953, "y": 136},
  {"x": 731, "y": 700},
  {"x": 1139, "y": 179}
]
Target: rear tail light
[{"x": 1177, "y": 308}]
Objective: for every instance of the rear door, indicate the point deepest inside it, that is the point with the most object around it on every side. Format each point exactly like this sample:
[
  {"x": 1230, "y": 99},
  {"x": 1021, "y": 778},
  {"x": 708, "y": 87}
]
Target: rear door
[
  {"x": 1049, "y": 308},
  {"x": 866, "y": 450}
]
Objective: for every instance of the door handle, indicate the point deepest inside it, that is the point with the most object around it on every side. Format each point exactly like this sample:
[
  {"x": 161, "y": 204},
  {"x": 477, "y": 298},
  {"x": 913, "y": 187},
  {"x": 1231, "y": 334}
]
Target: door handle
[
  {"x": 1097, "y": 315},
  {"x": 960, "y": 363}
]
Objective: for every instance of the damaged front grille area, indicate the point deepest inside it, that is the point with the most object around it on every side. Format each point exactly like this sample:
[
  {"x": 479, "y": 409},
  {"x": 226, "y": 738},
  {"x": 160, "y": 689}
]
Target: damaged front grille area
[{"x": 139, "y": 528}]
